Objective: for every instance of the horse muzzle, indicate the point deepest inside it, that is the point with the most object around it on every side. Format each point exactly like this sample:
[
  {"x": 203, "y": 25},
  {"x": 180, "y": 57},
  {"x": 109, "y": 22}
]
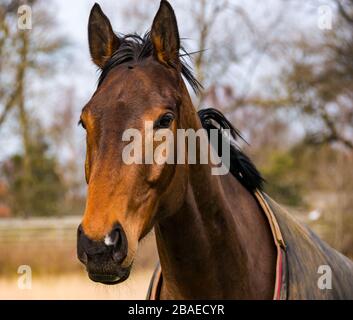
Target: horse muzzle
[{"x": 103, "y": 259}]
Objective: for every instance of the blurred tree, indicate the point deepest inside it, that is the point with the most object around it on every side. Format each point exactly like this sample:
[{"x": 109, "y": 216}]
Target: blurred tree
[
  {"x": 69, "y": 151},
  {"x": 313, "y": 92},
  {"x": 316, "y": 83},
  {"x": 43, "y": 193},
  {"x": 25, "y": 55},
  {"x": 279, "y": 175},
  {"x": 328, "y": 188}
]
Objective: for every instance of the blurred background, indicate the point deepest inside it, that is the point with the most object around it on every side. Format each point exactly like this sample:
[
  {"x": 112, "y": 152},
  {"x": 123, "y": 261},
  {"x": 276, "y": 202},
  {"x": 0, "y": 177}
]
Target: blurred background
[{"x": 281, "y": 70}]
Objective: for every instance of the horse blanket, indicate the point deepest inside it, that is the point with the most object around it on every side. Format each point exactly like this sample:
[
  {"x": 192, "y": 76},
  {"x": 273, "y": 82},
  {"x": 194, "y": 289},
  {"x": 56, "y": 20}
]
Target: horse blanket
[{"x": 307, "y": 267}]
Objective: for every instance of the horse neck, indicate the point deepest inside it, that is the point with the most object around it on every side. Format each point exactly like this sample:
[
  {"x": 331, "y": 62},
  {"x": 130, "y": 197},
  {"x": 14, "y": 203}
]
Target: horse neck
[{"x": 218, "y": 245}]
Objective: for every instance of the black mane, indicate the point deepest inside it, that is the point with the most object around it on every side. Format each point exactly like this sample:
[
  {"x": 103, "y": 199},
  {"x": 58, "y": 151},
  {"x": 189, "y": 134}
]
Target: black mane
[
  {"x": 240, "y": 164},
  {"x": 134, "y": 48}
]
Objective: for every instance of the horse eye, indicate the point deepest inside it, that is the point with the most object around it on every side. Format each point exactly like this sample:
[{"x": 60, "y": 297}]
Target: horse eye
[{"x": 165, "y": 121}]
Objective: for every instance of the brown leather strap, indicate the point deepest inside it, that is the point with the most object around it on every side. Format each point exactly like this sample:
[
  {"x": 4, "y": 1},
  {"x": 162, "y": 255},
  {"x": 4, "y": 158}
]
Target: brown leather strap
[{"x": 154, "y": 288}]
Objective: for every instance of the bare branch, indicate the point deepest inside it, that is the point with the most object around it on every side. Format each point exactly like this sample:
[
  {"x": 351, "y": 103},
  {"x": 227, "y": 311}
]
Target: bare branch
[
  {"x": 344, "y": 12},
  {"x": 8, "y": 106}
]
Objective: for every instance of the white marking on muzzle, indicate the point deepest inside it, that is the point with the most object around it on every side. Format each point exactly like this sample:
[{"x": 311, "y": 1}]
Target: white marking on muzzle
[{"x": 108, "y": 241}]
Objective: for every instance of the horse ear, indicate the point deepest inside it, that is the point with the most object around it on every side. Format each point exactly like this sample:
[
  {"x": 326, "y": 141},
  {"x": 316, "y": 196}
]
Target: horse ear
[
  {"x": 165, "y": 35},
  {"x": 101, "y": 38}
]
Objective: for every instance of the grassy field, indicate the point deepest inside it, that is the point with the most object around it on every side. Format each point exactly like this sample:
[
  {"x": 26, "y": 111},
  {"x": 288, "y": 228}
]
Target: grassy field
[{"x": 75, "y": 286}]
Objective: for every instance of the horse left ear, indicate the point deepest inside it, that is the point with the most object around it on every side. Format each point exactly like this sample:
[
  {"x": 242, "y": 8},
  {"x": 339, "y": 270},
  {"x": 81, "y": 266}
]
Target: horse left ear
[
  {"x": 101, "y": 38},
  {"x": 165, "y": 35}
]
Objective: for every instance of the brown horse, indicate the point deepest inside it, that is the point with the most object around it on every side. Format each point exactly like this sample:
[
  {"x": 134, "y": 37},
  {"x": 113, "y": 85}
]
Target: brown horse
[{"x": 218, "y": 236}]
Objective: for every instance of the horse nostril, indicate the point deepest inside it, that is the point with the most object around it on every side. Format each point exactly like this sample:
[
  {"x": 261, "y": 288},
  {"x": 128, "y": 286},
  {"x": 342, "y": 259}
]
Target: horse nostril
[
  {"x": 117, "y": 239},
  {"x": 87, "y": 247},
  {"x": 114, "y": 245}
]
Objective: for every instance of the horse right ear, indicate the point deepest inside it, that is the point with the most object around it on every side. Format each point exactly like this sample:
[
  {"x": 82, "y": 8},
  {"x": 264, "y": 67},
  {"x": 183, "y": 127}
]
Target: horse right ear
[
  {"x": 165, "y": 35},
  {"x": 101, "y": 38}
]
